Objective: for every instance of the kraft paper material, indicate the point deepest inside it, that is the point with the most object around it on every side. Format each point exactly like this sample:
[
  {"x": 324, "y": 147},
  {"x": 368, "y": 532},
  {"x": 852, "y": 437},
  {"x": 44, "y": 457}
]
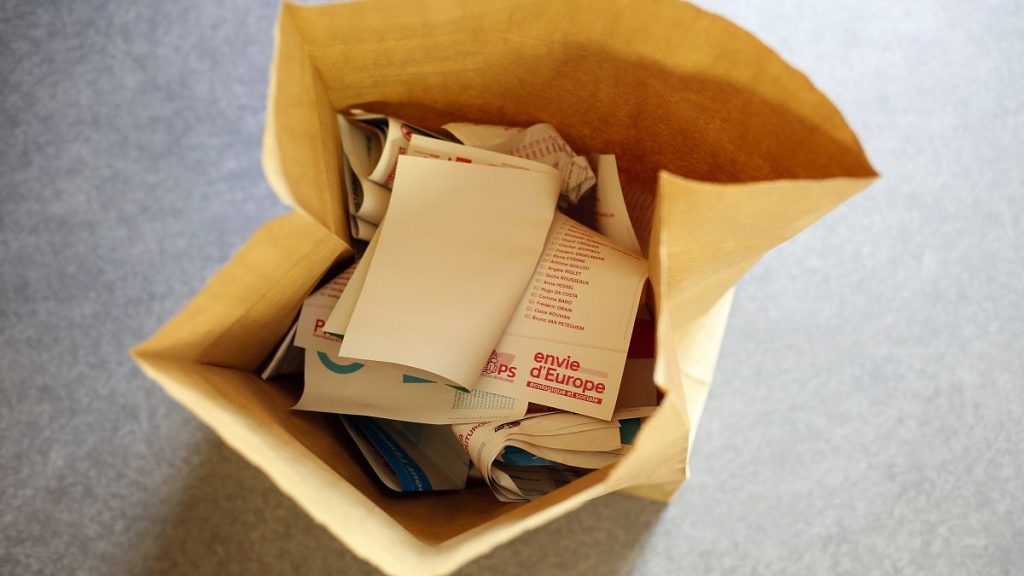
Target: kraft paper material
[{"x": 724, "y": 150}]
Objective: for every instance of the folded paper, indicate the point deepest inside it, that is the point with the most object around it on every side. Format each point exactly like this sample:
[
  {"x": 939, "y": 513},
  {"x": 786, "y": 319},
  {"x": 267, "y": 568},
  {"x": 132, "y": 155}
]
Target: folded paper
[{"x": 458, "y": 248}]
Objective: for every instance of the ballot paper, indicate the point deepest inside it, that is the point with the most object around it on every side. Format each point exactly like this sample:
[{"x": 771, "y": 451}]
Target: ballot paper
[
  {"x": 524, "y": 458},
  {"x": 347, "y": 386},
  {"x": 459, "y": 246},
  {"x": 540, "y": 142},
  {"x": 410, "y": 457},
  {"x": 567, "y": 341}
]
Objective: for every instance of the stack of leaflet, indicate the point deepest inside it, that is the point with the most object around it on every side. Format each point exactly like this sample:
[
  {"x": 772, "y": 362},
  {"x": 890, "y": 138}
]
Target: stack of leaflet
[
  {"x": 475, "y": 298},
  {"x": 372, "y": 144}
]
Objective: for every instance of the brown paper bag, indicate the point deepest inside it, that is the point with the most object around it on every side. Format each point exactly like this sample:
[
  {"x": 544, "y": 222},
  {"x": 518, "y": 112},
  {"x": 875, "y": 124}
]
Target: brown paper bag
[{"x": 738, "y": 149}]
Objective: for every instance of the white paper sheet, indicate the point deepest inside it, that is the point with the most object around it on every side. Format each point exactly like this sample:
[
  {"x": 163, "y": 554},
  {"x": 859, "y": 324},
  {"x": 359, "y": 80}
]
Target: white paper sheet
[{"x": 440, "y": 289}]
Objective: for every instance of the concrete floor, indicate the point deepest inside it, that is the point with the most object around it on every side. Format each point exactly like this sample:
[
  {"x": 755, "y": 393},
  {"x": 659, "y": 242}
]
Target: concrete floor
[{"x": 866, "y": 417}]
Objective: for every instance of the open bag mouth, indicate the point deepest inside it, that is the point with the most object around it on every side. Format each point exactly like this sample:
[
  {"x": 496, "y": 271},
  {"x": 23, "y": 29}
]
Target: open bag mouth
[{"x": 724, "y": 151}]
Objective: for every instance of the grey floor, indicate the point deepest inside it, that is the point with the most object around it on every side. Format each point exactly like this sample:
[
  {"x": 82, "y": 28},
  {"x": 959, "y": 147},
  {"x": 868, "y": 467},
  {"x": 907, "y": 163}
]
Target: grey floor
[{"x": 867, "y": 413}]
